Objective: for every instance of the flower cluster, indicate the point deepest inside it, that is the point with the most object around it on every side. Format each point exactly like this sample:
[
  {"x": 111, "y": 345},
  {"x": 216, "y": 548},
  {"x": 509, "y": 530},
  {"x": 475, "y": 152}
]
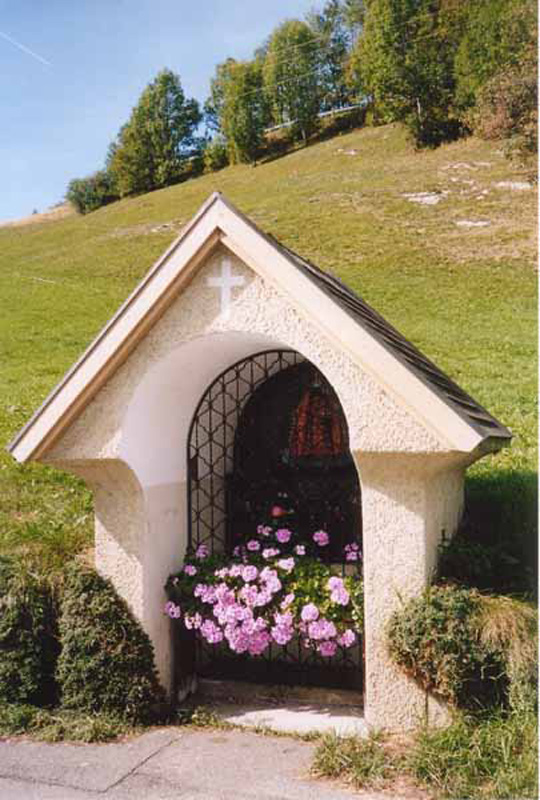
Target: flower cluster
[
  {"x": 273, "y": 589},
  {"x": 352, "y": 552}
]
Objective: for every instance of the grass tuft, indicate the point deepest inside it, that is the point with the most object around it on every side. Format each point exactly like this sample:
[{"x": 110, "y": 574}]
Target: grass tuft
[
  {"x": 59, "y": 725},
  {"x": 509, "y": 626},
  {"x": 492, "y": 758},
  {"x": 364, "y": 763},
  {"x": 474, "y": 758}
]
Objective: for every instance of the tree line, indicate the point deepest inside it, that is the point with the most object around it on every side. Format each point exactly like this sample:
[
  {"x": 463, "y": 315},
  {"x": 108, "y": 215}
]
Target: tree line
[{"x": 444, "y": 68}]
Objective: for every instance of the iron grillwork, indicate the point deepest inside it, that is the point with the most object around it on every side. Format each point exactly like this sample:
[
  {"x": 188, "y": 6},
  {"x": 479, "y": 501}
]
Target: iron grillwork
[{"x": 270, "y": 429}]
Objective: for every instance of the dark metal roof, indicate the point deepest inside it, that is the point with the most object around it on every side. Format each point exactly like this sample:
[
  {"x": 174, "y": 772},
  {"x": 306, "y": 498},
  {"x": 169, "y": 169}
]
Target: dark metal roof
[{"x": 409, "y": 355}]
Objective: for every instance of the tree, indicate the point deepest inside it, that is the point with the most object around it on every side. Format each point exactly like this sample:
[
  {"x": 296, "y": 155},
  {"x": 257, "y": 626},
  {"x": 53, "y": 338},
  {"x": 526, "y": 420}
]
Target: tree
[
  {"x": 404, "y": 62},
  {"x": 152, "y": 148},
  {"x": 244, "y": 112},
  {"x": 237, "y": 108},
  {"x": 290, "y": 75},
  {"x": 88, "y": 194},
  {"x": 354, "y": 12},
  {"x": 334, "y": 40},
  {"x": 497, "y": 33},
  {"x": 213, "y": 107}
]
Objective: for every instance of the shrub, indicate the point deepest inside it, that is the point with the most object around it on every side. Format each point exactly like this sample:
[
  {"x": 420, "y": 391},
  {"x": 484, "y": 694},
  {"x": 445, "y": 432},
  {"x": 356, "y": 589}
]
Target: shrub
[
  {"x": 434, "y": 639},
  {"x": 28, "y": 640},
  {"x": 506, "y": 109},
  {"x": 107, "y": 662},
  {"x": 88, "y": 194},
  {"x": 215, "y": 155}
]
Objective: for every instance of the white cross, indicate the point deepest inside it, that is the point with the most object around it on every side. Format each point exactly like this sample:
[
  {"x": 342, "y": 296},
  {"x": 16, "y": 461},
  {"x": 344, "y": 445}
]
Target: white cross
[{"x": 225, "y": 282}]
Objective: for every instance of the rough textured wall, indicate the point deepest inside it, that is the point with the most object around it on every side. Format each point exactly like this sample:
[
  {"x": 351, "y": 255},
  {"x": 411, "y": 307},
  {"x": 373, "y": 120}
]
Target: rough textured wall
[
  {"x": 376, "y": 420},
  {"x": 407, "y": 502}
]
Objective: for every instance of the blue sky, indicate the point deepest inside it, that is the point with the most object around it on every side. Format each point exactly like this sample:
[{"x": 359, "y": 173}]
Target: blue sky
[{"x": 64, "y": 101}]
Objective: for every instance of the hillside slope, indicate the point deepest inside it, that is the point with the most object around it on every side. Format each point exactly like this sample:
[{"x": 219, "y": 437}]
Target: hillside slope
[{"x": 453, "y": 269}]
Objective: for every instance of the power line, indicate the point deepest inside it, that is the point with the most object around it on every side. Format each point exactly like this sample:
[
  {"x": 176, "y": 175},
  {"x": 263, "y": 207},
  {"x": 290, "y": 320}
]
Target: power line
[
  {"x": 288, "y": 48},
  {"x": 260, "y": 89}
]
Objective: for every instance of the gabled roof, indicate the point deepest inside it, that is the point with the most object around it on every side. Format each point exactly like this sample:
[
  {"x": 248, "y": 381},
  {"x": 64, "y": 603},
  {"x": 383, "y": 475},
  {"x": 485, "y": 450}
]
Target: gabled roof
[{"x": 368, "y": 338}]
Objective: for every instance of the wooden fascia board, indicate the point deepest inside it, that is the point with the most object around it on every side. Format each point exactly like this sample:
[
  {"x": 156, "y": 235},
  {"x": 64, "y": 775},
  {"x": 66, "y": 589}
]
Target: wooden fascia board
[
  {"x": 135, "y": 318},
  {"x": 425, "y": 406}
]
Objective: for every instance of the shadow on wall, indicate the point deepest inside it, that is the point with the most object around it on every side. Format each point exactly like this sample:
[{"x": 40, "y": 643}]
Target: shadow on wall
[{"x": 496, "y": 547}]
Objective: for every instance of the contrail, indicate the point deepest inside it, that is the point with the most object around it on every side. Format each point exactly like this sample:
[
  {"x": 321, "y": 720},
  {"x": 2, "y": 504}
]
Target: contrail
[{"x": 25, "y": 49}]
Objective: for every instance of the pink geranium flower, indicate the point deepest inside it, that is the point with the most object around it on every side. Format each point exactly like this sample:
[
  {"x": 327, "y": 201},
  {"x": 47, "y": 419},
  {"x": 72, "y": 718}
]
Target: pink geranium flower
[
  {"x": 352, "y": 552},
  {"x": 282, "y": 634},
  {"x": 321, "y": 538},
  {"x": 253, "y": 545},
  {"x": 283, "y": 535},
  {"x": 347, "y": 638},
  {"x": 339, "y": 593},
  {"x": 193, "y": 621},
  {"x": 189, "y": 569},
  {"x": 211, "y": 632},
  {"x": 310, "y": 612},
  {"x": 327, "y": 649},
  {"x": 287, "y": 600},
  {"x": 249, "y": 573},
  {"x": 335, "y": 583},
  {"x": 322, "y": 629},
  {"x": 172, "y": 610},
  {"x": 286, "y": 563}
]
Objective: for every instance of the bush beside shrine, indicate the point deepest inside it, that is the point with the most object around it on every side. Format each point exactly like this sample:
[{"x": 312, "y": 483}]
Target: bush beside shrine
[
  {"x": 106, "y": 662},
  {"x": 474, "y": 650},
  {"x": 28, "y": 637},
  {"x": 69, "y": 646}
]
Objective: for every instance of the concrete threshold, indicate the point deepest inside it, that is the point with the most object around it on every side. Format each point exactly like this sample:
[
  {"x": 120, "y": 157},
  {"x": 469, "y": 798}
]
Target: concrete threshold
[{"x": 283, "y": 709}]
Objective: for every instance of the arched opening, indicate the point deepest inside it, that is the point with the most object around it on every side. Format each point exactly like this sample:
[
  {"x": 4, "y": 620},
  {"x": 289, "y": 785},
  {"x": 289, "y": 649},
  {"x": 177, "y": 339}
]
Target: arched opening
[
  {"x": 291, "y": 448},
  {"x": 270, "y": 433}
]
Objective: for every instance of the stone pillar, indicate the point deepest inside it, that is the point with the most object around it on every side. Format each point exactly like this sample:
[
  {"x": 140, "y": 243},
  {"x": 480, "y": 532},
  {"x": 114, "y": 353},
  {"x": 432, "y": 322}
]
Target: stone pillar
[
  {"x": 139, "y": 541},
  {"x": 403, "y": 519}
]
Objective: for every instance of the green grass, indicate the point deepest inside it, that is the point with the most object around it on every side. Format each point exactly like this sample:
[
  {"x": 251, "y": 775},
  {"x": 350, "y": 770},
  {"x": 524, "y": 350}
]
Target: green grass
[
  {"x": 474, "y": 758},
  {"x": 466, "y": 297},
  {"x": 58, "y": 725},
  {"x": 492, "y": 758},
  {"x": 364, "y": 763}
]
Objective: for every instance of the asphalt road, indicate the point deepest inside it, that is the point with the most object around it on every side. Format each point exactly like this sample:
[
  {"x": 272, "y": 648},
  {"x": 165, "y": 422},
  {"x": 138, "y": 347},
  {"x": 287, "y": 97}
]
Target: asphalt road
[{"x": 167, "y": 764}]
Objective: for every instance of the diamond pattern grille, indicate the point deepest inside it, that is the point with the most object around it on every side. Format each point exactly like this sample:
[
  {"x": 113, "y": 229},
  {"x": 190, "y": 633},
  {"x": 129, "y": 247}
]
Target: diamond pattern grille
[
  {"x": 211, "y": 443},
  {"x": 210, "y": 454}
]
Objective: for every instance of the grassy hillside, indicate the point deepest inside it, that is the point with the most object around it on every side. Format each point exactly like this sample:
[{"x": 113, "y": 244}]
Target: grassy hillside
[{"x": 465, "y": 294}]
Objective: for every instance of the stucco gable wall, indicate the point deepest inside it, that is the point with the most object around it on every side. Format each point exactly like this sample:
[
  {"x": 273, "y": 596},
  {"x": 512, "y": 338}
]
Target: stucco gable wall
[{"x": 377, "y": 422}]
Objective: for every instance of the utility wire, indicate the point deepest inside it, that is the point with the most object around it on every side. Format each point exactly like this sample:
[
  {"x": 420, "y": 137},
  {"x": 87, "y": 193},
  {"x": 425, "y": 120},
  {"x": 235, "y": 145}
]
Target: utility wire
[
  {"x": 261, "y": 89},
  {"x": 288, "y": 48},
  {"x": 292, "y": 78}
]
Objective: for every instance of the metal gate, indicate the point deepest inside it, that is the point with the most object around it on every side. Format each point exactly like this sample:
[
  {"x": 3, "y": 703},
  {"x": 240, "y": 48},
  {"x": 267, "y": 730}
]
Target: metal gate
[{"x": 267, "y": 427}]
